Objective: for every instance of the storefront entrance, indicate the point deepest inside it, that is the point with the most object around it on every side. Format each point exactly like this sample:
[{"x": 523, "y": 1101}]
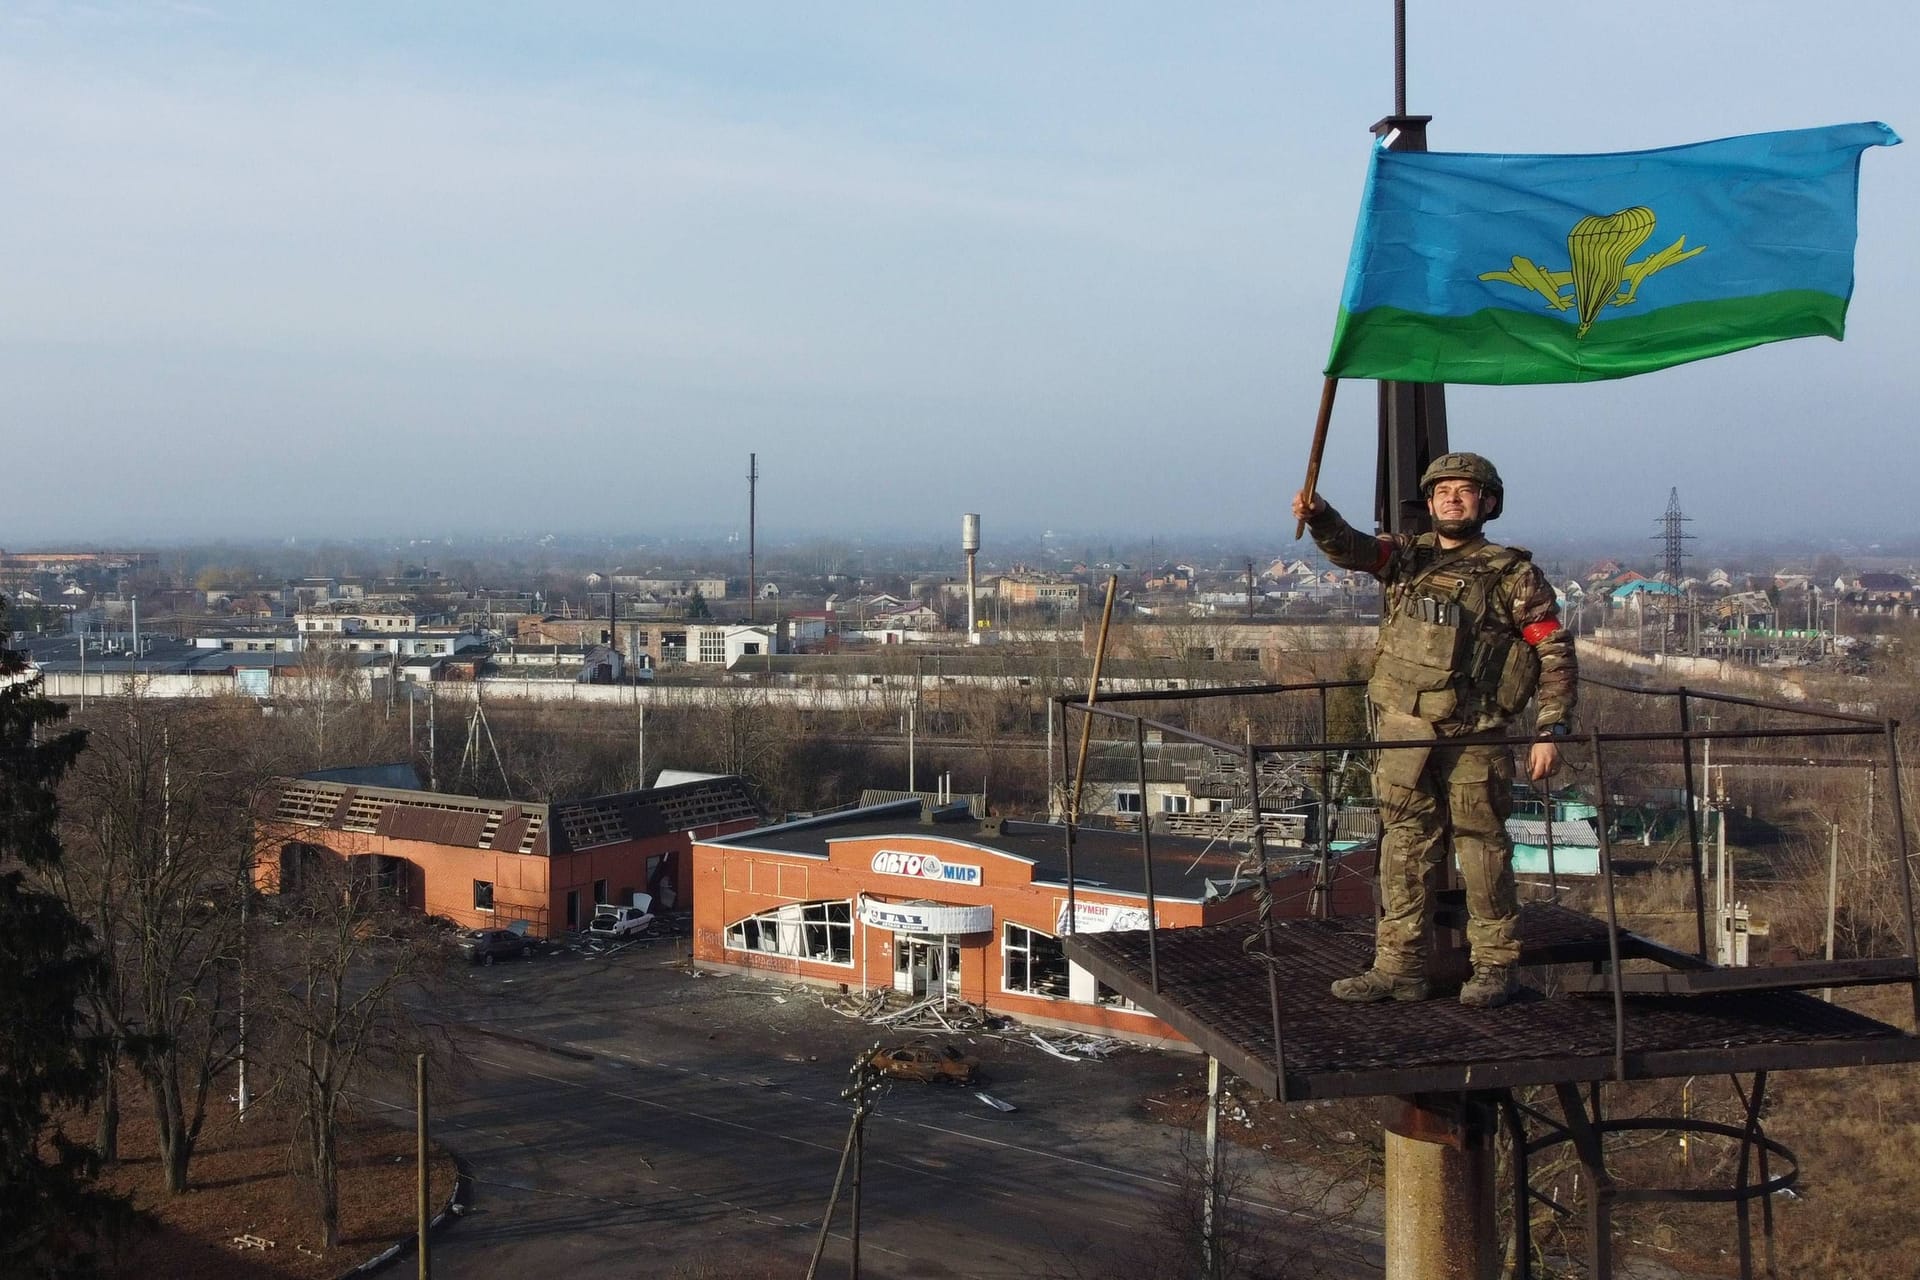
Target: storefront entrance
[{"x": 925, "y": 966}]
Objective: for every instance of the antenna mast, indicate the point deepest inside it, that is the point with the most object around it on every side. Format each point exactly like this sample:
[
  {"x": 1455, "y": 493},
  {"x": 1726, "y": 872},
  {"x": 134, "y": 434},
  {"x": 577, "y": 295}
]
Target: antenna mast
[{"x": 753, "y": 483}]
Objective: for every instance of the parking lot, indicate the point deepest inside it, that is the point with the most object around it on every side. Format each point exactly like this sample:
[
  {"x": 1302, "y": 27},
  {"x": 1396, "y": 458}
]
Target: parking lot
[{"x": 613, "y": 1103}]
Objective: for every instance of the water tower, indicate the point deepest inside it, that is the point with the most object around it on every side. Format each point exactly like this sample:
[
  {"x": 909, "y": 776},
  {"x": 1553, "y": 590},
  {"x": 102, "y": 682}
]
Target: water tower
[{"x": 970, "y": 543}]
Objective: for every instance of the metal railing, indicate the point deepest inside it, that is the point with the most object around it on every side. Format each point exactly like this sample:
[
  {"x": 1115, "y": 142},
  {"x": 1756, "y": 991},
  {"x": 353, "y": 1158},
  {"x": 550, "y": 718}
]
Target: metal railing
[{"x": 1828, "y": 724}]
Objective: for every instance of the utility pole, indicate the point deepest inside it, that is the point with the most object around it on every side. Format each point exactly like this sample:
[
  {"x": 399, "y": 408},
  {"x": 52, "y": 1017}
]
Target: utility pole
[
  {"x": 433, "y": 746},
  {"x": 863, "y": 1092},
  {"x": 241, "y": 1094},
  {"x": 1833, "y": 890},
  {"x": 424, "y": 1209},
  {"x": 1210, "y": 1203},
  {"x": 1673, "y": 538}
]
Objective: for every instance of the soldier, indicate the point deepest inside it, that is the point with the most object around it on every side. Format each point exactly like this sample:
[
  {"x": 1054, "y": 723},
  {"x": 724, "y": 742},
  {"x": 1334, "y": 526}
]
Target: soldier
[{"x": 1468, "y": 635}]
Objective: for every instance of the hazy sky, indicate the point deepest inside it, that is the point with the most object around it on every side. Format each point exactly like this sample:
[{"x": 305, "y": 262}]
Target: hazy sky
[{"x": 334, "y": 269}]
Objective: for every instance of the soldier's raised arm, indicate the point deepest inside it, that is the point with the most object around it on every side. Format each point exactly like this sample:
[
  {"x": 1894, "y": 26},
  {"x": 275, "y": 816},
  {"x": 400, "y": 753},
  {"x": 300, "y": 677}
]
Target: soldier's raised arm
[{"x": 1339, "y": 541}]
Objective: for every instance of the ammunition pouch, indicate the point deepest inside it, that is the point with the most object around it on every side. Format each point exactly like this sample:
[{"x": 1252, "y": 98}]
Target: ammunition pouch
[
  {"x": 1402, "y": 766},
  {"x": 1519, "y": 676},
  {"x": 1440, "y": 660}
]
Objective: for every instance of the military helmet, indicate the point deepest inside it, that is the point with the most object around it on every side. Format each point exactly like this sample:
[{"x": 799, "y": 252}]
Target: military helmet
[{"x": 1466, "y": 466}]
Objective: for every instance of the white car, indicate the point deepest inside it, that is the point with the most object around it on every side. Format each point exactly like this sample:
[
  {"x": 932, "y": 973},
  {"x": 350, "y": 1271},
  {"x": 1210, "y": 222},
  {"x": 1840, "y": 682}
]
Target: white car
[{"x": 620, "y": 922}]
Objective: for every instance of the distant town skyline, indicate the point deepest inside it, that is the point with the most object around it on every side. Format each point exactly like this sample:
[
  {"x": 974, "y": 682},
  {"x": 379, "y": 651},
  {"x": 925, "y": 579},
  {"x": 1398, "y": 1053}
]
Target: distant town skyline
[{"x": 331, "y": 271}]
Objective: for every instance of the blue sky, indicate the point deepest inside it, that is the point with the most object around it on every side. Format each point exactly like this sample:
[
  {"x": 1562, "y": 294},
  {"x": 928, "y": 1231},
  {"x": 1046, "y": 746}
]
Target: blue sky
[{"x": 344, "y": 269}]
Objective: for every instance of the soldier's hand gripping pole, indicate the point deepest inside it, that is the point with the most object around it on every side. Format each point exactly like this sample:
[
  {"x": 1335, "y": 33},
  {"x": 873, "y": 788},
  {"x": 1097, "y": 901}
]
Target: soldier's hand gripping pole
[{"x": 1319, "y": 447}]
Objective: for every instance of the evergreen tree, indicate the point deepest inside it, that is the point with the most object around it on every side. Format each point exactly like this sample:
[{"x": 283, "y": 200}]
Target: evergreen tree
[
  {"x": 52, "y": 1219},
  {"x": 697, "y": 605}
]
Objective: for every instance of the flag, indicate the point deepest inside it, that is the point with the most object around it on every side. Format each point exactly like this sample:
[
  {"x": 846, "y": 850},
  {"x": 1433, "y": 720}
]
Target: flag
[{"x": 1572, "y": 268}]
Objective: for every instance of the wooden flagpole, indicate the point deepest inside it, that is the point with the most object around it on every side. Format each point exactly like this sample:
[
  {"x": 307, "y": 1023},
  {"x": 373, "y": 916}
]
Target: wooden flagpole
[{"x": 1319, "y": 447}]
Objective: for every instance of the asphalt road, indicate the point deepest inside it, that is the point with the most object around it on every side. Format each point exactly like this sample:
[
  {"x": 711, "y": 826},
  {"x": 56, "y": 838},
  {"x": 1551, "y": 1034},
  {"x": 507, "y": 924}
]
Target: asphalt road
[{"x": 618, "y": 1112}]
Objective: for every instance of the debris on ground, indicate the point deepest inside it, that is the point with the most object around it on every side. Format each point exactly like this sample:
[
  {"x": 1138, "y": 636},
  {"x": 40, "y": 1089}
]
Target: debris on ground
[
  {"x": 882, "y": 1007},
  {"x": 994, "y": 1102}
]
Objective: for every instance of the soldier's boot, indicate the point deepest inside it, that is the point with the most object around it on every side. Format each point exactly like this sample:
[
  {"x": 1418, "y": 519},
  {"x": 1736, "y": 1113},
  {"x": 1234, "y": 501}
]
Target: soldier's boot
[
  {"x": 1376, "y": 985},
  {"x": 1490, "y": 987}
]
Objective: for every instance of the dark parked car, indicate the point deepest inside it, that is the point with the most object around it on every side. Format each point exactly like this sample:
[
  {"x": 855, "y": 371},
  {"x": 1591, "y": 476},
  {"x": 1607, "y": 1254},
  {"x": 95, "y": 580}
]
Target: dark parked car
[{"x": 484, "y": 946}]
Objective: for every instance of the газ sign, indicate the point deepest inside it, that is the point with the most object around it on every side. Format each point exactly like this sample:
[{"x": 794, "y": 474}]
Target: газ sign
[{"x": 923, "y": 866}]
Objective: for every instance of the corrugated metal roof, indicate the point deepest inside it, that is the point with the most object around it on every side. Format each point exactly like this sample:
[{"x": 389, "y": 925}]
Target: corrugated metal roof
[
  {"x": 509, "y": 826},
  {"x": 462, "y": 827},
  {"x": 1570, "y": 834}
]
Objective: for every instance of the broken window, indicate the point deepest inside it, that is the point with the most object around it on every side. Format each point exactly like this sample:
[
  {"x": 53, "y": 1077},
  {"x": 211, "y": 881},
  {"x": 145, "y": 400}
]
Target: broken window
[
  {"x": 483, "y": 895},
  {"x": 1034, "y": 962},
  {"x": 820, "y": 931},
  {"x": 297, "y": 861}
]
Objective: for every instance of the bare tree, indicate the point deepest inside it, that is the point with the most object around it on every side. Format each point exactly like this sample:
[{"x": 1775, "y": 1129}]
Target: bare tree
[
  {"x": 160, "y": 834},
  {"x": 335, "y": 970},
  {"x": 324, "y": 714}
]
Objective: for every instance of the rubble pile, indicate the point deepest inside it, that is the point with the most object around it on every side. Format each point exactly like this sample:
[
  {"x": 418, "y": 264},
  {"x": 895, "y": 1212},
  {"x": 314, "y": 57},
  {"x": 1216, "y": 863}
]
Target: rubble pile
[{"x": 883, "y": 1008}]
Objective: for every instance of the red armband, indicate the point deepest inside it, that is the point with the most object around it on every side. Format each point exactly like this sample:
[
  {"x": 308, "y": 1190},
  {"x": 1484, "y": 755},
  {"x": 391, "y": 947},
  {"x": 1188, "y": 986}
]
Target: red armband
[
  {"x": 1535, "y": 632},
  {"x": 1386, "y": 554}
]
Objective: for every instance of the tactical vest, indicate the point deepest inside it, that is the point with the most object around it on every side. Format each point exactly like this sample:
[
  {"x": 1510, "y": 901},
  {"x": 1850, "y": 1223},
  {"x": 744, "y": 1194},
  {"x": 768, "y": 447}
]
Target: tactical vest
[{"x": 1443, "y": 656}]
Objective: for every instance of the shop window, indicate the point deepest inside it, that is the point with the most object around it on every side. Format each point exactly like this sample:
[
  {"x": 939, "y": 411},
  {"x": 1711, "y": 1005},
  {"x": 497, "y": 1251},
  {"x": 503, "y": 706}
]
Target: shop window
[
  {"x": 483, "y": 895},
  {"x": 1034, "y": 962},
  {"x": 819, "y": 931},
  {"x": 1106, "y": 995}
]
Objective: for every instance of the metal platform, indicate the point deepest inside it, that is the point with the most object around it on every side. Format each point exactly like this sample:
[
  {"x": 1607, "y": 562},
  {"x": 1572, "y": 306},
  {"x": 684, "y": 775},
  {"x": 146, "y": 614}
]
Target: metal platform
[{"x": 1213, "y": 988}]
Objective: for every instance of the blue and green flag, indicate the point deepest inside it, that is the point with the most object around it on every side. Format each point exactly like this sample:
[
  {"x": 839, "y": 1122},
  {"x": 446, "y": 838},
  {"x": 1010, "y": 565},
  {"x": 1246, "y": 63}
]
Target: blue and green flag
[{"x": 1517, "y": 268}]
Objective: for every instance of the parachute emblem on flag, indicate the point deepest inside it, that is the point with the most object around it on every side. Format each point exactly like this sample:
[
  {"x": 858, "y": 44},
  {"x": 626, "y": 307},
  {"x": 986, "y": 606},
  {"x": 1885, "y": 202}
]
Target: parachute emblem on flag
[{"x": 1598, "y": 247}]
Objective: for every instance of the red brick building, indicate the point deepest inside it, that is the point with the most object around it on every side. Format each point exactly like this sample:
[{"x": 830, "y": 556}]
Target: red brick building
[
  {"x": 931, "y": 902},
  {"x": 489, "y": 862}
]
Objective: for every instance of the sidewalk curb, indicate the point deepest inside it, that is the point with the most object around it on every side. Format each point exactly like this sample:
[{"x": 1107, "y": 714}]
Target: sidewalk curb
[
  {"x": 528, "y": 1042},
  {"x": 457, "y": 1201}
]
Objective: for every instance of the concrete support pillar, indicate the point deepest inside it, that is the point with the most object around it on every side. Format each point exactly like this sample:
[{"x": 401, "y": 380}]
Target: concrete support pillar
[{"x": 1440, "y": 1188}]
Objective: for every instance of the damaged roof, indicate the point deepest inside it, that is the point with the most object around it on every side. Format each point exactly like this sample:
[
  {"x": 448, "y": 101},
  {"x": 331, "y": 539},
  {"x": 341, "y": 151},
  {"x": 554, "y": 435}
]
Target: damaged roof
[
  {"x": 1183, "y": 866},
  {"x": 541, "y": 830}
]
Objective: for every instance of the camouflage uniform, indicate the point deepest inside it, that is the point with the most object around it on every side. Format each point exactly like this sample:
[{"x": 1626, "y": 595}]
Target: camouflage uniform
[{"x": 1467, "y": 636}]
